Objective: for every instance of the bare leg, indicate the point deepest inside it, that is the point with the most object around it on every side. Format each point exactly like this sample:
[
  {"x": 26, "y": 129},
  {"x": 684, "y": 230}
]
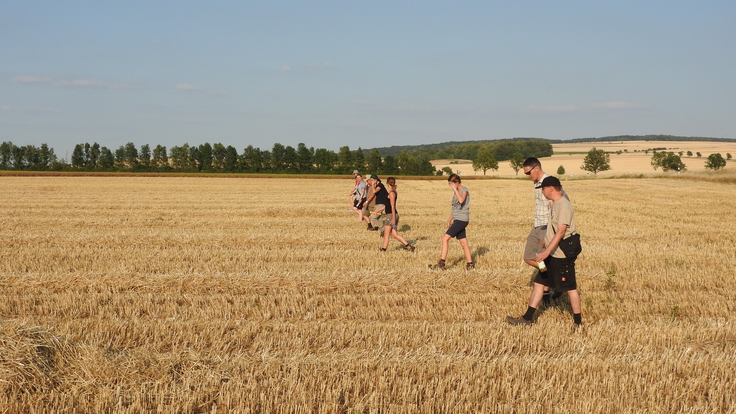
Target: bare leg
[
  {"x": 398, "y": 237},
  {"x": 533, "y": 263},
  {"x": 386, "y": 236},
  {"x": 574, "y": 300},
  {"x": 536, "y": 296},
  {"x": 445, "y": 246},
  {"x": 466, "y": 250}
]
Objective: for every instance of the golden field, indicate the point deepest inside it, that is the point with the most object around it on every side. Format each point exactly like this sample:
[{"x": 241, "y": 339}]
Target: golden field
[
  {"x": 256, "y": 295},
  {"x": 633, "y": 161}
]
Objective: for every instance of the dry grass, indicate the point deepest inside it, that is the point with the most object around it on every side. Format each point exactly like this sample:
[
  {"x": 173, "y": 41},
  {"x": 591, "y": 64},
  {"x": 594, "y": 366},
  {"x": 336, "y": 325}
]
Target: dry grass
[
  {"x": 200, "y": 295},
  {"x": 571, "y": 157}
]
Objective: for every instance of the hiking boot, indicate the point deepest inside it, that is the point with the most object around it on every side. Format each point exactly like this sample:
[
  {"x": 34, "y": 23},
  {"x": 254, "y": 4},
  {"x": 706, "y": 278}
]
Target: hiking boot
[
  {"x": 381, "y": 249},
  {"x": 439, "y": 266},
  {"x": 469, "y": 266},
  {"x": 370, "y": 227},
  {"x": 409, "y": 248},
  {"x": 518, "y": 321}
]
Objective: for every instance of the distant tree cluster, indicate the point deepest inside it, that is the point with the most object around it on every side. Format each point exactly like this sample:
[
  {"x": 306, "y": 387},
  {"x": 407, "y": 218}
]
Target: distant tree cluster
[
  {"x": 668, "y": 161},
  {"x": 715, "y": 161},
  {"x": 214, "y": 158},
  {"x": 27, "y": 157},
  {"x": 501, "y": 150},
  {"x": 485, "y": 156}
]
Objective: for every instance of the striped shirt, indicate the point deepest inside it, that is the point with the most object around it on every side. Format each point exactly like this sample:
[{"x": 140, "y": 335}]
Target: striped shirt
[{"x": 541, "y": 205}]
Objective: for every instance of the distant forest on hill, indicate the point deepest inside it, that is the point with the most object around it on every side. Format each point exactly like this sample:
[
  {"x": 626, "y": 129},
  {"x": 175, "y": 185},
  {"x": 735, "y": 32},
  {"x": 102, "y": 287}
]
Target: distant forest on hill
[
  {"x": 502, "y": 149},
  {"x": 399, "y": 160},
  {"x": 449, "y": 147}
]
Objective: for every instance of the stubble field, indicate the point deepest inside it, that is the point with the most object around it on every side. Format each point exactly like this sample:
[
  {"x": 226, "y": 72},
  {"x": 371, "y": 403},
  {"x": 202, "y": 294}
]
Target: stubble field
[
  {"x": 632, "y": 160},
  {"x": 188, "y": 294}
]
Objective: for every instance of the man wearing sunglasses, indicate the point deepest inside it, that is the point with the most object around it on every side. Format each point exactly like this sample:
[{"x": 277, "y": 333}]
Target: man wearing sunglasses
[{"x": 533, "y": 169}]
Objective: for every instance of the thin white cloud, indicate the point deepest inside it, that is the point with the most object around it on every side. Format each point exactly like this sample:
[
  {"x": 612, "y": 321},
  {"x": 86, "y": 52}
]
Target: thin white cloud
[
  {"x": 550, "y": 108},
  {"x": 5, "y": 108},
  {"x": 284, "y": 68},
  {"x": 80, "y": 83},
  {"x": 617, "y": 105},
  {"x": 185, "y": 87}
]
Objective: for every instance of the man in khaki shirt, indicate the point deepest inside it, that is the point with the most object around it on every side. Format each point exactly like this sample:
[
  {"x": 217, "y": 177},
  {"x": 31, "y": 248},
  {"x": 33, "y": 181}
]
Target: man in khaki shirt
[{"x": 561, "y": 270}]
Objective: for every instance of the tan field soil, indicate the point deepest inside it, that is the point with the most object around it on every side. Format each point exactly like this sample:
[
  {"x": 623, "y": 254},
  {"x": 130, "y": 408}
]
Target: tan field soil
[
  {"x": 633, "y": 161},
  {"x": 256, "y": 295}
]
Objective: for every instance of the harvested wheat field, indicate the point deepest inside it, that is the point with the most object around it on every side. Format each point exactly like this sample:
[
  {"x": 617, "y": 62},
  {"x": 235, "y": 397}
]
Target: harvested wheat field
[
  {"x": 255, "y": 295},
  {"x": 631, "y": 160}
]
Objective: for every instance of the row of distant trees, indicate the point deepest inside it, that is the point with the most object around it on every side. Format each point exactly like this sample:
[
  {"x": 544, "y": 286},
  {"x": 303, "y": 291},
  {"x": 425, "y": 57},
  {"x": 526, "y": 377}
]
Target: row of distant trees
[
  {"x": 669, "y": 161},
  {"x": 502, "y": 150},
  {"x": 597, "y": 160},
  {"x": 28, "y": 157},
  {"x": 279, "y": 159},
  {"x": 213, "y": 158}
]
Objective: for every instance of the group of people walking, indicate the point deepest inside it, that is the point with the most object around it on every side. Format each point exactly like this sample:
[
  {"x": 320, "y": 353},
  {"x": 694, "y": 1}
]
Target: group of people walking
[
  {"x": 376, "y": 205},
  {"x": 554, "y": 221}
]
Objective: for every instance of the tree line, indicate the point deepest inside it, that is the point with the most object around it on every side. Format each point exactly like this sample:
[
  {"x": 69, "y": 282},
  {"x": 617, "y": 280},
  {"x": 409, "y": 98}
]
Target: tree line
[
  {"x": 279, "y": 159},
  {"x": 213, "y": 158},
  {"x": 502, "y": 150}
]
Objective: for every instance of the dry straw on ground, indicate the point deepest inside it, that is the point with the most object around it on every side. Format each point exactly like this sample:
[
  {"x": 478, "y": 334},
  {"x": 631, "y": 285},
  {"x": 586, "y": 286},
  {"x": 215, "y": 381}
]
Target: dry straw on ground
[
  {"x": 633, "y": 161},
  {"x": 266, "y": 295}
]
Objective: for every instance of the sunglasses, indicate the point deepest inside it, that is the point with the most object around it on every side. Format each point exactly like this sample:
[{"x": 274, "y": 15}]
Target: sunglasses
[{"x": 530, "y": 171}]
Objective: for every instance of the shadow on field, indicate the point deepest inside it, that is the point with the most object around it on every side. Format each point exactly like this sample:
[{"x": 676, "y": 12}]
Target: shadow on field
[
  {"x": 404, "y": 227},
  {"x": 480, "y": 251},
  {"x": 561, "y": 302}
]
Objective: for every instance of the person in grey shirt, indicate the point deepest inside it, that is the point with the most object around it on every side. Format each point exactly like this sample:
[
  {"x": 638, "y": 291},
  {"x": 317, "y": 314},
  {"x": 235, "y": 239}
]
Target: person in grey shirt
[{"x": 456, "y": 223}]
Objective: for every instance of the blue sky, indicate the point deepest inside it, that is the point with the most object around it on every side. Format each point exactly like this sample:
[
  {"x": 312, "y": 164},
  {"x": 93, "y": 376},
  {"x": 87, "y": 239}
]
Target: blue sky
[{"x": 363, "y": 74}]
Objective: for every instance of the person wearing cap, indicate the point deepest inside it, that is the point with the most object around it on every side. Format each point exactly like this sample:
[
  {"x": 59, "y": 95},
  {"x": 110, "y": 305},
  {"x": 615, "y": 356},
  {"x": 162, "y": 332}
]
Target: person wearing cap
[
  {"x": 532, "y": 168},
  {"x": 456, "y": 223},
  {"x": 561, "y": 271}
]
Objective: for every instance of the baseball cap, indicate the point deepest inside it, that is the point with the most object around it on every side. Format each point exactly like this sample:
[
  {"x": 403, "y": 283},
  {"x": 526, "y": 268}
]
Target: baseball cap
[
  {"x": 374, "y": 176},
  {"x": 355, "y": 172},
  {"x": 550, "y": 182}
]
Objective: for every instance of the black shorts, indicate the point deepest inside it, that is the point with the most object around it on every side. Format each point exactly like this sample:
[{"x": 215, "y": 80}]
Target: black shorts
[
  {"x": 359, "y": 203},
  {"x": 457, "y": 229},
  {"x": 560, "y": 275}
]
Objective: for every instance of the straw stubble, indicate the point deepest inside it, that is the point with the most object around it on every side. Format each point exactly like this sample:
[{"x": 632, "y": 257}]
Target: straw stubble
[{"x": 267, "y": 295}]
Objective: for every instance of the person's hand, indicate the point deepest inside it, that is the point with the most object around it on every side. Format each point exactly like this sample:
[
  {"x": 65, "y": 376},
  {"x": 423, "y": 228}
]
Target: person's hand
[{"x": 541, "y": 256}]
